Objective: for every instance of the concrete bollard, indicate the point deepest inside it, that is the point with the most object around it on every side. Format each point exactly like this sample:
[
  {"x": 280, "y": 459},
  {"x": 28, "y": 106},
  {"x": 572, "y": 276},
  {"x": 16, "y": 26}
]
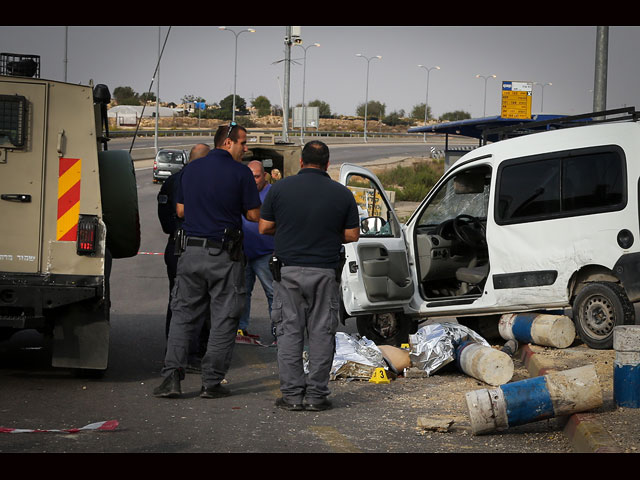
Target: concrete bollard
[
  {"x": 533, "y": 399},
  {"x": 538, "y": 328},
  {"x": 626, "y": 367},
  {"x": 484, "y": 363}
]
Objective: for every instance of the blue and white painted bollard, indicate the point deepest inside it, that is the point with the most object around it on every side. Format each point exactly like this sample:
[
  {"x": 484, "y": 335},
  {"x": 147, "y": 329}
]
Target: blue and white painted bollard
[
  {"x": 626, "y": 367},
  {"x": 533, "y": 399},
  {"x": 484, "y": 363},
  {"x": 539, "y": 328}
]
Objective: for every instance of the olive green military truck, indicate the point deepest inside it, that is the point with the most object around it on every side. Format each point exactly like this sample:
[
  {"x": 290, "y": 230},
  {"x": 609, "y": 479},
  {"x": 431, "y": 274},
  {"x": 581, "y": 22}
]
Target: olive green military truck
[
  {"x": 68, "y": 206},
  {"x": 279, "y": 159}
]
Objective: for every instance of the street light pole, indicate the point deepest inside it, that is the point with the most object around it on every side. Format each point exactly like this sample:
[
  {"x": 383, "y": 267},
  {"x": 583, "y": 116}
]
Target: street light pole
[
  {"x": 484, "y": 112},
  {"x": 366, "y": 101},
  {"x": 235, "y": 65},
  {"x": 426, "y": 102},
  {"x": 304, "y": 75},
  {"x": 542, "y": 96}
]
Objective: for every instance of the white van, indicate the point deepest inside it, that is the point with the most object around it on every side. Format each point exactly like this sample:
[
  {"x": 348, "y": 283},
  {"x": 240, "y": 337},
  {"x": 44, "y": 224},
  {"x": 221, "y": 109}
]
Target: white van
[{"x": 544, "y": 221}]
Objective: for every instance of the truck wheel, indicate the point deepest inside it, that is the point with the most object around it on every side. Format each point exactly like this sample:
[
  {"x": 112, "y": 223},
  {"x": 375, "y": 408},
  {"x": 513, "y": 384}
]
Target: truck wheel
[
  {"x": 119, "y": 203},
  {"x": 386, "y": 328},
  {"x": 598, "y": 308}
]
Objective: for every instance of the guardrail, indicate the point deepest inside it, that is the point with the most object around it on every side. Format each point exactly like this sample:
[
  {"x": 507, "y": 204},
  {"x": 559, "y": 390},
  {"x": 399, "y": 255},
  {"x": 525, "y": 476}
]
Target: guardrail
[{"x": 211, "y": 132}]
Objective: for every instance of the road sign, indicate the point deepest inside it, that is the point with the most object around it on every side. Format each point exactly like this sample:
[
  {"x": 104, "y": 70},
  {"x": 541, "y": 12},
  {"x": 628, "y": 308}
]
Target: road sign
[{"x": 516, "y": 99}]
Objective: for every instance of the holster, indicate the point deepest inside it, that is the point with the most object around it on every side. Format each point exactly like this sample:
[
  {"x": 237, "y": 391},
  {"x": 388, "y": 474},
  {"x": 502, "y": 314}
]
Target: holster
[
  {"x": 232, "y": 243},
  {"x": 180, "y": 242},
  {"x": 275, "y": 264},
  {"x": 343, "y": 259}
]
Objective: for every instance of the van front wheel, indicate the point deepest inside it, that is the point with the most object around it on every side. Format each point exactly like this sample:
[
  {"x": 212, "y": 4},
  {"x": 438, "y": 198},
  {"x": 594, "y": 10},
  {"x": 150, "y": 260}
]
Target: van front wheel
[
  {"x": 599, "y": 307},
  {"x": 386, "y": 328}
]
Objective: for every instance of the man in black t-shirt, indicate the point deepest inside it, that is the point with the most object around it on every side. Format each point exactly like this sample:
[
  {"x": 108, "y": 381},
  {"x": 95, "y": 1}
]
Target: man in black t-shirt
[{"x": 311, "y": 216}]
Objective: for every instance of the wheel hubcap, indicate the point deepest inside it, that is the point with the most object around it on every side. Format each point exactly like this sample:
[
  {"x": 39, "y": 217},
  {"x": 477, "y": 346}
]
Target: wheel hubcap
[{"x": 599, "y": 316}]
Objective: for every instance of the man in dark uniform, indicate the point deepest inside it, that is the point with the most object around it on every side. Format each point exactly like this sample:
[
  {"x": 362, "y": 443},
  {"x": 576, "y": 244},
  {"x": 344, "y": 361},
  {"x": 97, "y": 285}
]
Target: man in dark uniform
[
  {"x": 311, "y": 217},
  {"x": 170, "y": 224},
  {"x": 215, "y": 191}
]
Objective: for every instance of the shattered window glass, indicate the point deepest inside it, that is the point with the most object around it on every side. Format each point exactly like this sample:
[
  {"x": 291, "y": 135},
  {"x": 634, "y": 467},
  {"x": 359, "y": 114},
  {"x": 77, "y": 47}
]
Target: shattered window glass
[{"x": 466, "y": 193}]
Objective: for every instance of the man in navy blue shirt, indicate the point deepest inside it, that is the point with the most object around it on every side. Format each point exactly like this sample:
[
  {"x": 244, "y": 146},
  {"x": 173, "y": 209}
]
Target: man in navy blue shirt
[
  {"x": 170, "y": 223},
  {"x": 311, "y": 216},
  {"x": 215, "y": 192}
]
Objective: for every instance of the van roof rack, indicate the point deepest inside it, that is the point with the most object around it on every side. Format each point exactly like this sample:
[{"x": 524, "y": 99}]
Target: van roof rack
[{"x": 525, "y": 128}]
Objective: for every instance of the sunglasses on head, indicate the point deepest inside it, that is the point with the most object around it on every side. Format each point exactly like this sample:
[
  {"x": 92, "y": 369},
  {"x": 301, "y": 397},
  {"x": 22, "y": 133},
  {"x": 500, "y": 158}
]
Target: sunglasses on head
[{"x": 231, "y": 125}]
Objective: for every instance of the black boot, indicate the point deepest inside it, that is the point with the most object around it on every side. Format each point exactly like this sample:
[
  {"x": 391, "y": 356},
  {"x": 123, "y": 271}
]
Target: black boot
[{"x": 170, "y": 386}]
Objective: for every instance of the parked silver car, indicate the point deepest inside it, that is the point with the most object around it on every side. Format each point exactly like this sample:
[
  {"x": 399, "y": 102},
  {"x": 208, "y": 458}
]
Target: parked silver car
[{"x": 168, "y": 162}]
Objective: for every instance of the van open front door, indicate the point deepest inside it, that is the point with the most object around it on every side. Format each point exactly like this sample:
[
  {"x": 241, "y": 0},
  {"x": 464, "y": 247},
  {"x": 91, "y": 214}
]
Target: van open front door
[{"x": 376, "y": 276}]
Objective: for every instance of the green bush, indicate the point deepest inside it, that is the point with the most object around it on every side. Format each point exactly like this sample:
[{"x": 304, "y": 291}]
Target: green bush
[{"x": 412, "y": 184}]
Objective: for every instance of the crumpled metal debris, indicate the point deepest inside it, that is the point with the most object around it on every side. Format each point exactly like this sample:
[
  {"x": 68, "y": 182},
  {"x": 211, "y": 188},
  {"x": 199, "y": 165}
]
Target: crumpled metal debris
[{"x": 434, "y": 346}]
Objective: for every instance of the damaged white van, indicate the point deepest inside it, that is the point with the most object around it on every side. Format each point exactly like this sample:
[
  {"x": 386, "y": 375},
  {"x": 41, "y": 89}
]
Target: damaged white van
[{"x": 544, "y": 221}]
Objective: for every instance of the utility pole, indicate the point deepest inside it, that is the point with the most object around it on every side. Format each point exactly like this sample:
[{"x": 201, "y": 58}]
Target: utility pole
[
  {"x": 287, "y": 71},
  {"x": 600, "y": 81},
  {"x": 158, "y": 89}
]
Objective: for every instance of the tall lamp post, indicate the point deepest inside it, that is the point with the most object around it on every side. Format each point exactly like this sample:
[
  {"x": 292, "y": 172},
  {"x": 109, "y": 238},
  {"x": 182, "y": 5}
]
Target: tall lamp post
[
  {"x": 304, "y": 75},
  {"x": 542, "y": 96},
  {"x": 426, "y": 102},
  {"x": 235, "y": 65},
  {"x": 366, "y": 101},
  {"x": 484, "y": 112}
]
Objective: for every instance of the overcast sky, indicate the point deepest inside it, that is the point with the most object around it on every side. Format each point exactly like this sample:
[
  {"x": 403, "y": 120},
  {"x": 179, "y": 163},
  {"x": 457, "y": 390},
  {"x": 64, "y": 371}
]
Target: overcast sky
[{"x": 199, "y": 60}]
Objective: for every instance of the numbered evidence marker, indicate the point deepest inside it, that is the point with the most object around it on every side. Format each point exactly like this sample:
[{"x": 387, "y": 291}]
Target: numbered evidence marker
[{"x": 379, "y": 376}]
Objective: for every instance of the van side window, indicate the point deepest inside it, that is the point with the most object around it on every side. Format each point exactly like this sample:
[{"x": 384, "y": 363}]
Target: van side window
[
  {"x": 592, "y": 181},
  {"x": 561, "y": 185},
  {"x": 529, "y": 190}
]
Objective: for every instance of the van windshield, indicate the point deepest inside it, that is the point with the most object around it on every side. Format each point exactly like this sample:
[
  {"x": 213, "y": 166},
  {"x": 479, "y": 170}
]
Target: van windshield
[
  {"x": 171, "y": 157},
  {"x": 464, "y": 194}
]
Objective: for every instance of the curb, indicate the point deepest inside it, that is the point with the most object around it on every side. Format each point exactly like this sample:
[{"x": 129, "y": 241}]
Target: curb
[{"x": 585, "y": 433}]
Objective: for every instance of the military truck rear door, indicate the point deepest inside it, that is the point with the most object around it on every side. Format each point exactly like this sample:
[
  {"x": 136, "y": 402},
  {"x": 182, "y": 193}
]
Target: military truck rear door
[
  {"x": 22, "y": 134},
  {"x": 376, "y": 274}
]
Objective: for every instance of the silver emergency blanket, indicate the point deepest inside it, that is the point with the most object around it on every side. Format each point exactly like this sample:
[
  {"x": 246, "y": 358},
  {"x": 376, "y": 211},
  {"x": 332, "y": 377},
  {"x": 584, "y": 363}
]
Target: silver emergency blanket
[
  {"x": 434, "y": 346},
  {"x": 355, "y": 357}
]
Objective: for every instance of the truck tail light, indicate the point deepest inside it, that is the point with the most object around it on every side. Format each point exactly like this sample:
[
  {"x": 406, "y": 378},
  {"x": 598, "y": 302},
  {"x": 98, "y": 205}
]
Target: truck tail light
[{"x": 87, "y": 235}]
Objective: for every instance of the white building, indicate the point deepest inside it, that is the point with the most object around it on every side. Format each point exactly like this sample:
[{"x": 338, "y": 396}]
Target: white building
[{"x": 127, "y": 115}]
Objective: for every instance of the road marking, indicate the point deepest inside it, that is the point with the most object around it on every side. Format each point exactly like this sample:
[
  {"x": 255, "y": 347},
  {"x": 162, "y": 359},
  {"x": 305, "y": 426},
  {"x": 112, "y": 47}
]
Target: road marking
[{"x": 335, "y": 440}]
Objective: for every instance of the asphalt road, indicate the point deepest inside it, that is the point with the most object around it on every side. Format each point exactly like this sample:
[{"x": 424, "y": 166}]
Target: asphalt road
[
  {"x": 367, "y": 417},
  {"x": 353, "y": 150}
]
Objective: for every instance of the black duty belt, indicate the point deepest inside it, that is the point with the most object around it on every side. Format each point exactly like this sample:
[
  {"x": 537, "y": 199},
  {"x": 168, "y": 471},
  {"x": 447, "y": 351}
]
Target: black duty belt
[{"x": 203, "y": 242}]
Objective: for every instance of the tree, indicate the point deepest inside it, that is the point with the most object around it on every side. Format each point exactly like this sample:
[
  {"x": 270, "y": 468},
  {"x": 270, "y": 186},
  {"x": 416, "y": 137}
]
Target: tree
[
  {"x": 126, "y": 96},
  {"x": 396, "y": 118},
  {"x": 375, "y": 109},
  {"x": 324, "y": 110},
  {"x": 453, "y": 116},
  {"x": 226, "y": 107},
  {"x": 191, "y": 99},
  {"x": 148, "y": 97},
  {"x": 262, "y": 105},
  {"x": 418, "y": 112}
]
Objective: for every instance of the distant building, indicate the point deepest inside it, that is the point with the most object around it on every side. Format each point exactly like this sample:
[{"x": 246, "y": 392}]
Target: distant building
[{"x": 127, "y": 115}]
